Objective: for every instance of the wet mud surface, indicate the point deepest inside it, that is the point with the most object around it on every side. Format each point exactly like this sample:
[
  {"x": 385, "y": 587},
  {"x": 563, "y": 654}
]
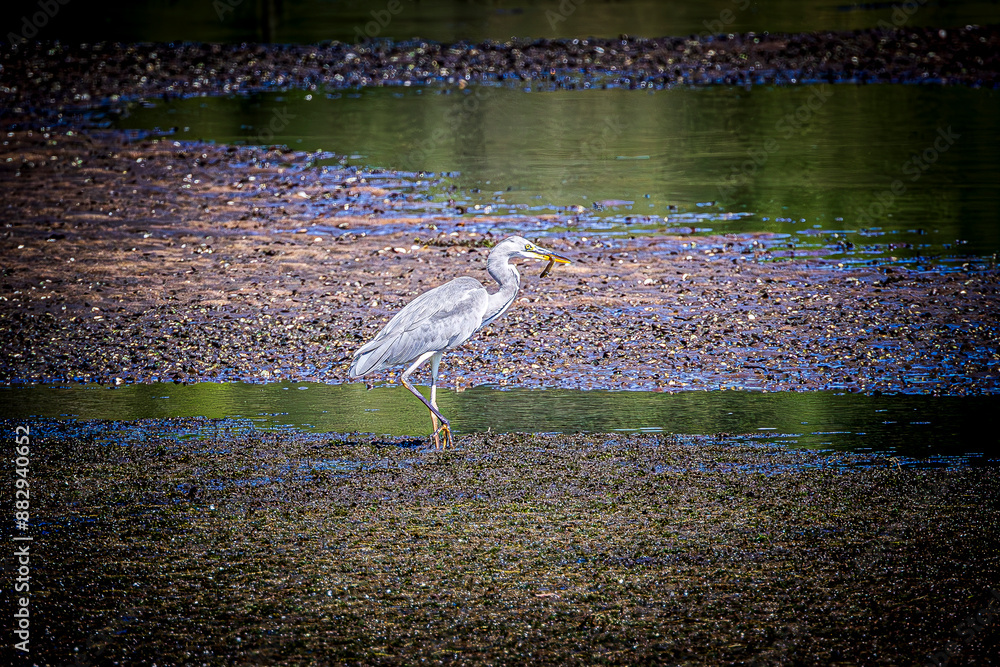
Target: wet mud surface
[
  {"x": 142, "y": 260},
  {"x": 128, "y": 259},
  {"x": 43, "y": 78},
  {"x": 210, "y": 542}
]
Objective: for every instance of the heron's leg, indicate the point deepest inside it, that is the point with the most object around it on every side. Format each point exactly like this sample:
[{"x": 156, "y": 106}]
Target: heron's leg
[
  {"x": 434, "y": 425},
  {"x": 435, "y": 363},
  {"x": 404, "y": 378},
  {"x": 435, "y": 360}
]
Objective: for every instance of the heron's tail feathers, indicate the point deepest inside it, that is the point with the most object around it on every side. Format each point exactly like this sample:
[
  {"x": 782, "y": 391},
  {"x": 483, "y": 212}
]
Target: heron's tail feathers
[
  {"x": 362, "y": 363},
  {"x": 368, "y": 358}
]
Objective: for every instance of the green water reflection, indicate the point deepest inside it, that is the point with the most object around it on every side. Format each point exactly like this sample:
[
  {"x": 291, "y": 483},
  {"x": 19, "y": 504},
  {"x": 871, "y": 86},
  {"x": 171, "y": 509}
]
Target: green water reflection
[
  {"x": 728, "y": 159},
  {"x": 917, "y": 426},
  {"x": 309, "y": 21}
]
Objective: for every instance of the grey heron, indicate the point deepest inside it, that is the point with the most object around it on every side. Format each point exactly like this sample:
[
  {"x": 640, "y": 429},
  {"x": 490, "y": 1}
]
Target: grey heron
[{"x": 443, "y": 318}]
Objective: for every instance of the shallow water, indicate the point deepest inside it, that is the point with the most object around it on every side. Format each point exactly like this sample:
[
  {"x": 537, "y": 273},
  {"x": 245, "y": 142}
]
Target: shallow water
[
  {"x": 308, "y": 21},
  {"x": 846, "y": 172},
  {"x": 944, "y": 429}
]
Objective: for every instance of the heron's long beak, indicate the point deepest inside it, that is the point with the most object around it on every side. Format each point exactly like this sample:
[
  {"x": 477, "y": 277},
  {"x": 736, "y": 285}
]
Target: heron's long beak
[{"x": 550, "y": 256}]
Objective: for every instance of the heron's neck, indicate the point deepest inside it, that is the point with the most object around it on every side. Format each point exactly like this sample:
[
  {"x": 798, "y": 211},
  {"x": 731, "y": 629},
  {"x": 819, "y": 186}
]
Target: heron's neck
[{"x": 510, "y": 280}]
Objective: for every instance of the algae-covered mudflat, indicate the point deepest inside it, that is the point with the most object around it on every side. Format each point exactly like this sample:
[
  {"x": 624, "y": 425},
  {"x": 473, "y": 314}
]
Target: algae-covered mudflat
[{"x": 197, "y": 541}]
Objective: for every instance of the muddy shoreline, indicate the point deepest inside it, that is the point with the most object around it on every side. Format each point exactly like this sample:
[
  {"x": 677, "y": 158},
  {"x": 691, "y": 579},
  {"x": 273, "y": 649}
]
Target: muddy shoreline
[
  {"x": 45, "y": 79},
  {"x": 129, "y": 259},
  {"x": 154, "y": 260}
]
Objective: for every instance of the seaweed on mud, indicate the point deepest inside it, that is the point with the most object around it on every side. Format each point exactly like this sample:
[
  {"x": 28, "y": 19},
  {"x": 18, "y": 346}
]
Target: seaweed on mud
[{"x": 612, "y": 549}]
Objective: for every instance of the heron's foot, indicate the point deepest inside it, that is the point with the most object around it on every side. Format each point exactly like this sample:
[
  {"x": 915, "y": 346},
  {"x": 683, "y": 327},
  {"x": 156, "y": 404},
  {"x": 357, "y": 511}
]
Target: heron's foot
[{"x": 445, "y": 439}]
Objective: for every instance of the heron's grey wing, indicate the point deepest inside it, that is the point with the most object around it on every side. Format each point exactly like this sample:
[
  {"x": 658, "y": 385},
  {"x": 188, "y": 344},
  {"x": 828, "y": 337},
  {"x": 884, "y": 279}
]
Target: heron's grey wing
[{"x": 437, "y": 320}]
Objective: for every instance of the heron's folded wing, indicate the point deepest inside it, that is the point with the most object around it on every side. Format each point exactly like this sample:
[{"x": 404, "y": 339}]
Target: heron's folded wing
[{"x": 437, "y": 320}]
